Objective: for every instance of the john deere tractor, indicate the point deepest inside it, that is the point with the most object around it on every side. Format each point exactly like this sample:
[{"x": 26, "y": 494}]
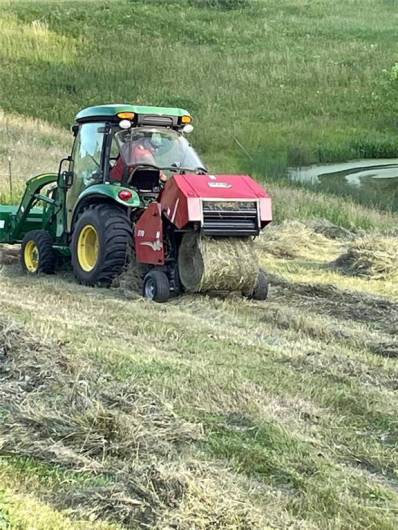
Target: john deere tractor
[{"x": 133, "y": 188}]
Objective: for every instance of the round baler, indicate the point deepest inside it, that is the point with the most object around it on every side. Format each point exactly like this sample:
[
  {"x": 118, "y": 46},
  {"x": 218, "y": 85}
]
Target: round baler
[{"x": 199, "y": 233}]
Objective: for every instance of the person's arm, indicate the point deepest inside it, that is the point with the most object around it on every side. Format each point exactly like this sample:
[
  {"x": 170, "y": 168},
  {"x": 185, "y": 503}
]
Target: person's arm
[{"x": 117, "y": 172}]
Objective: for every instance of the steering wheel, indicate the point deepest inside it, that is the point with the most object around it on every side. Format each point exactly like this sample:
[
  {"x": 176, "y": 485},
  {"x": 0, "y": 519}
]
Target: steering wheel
[{"x": 139, "y": 166}]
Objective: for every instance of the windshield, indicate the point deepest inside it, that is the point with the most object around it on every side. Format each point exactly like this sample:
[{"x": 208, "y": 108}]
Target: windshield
[{"x": 163, "y": 148}]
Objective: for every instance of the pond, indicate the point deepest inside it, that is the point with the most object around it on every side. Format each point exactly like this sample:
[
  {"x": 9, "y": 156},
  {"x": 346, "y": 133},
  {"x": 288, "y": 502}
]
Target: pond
[{"x": 366, "y": 181}]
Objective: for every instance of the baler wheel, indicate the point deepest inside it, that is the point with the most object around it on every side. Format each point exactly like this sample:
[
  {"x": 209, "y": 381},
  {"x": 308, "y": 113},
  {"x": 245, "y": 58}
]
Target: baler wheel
[
  {"x": 37, "y": 253},
  {"x": 101, "y": 244},
  {"x": 156, "y": 286},
  {"x": 261, "y": 289}
]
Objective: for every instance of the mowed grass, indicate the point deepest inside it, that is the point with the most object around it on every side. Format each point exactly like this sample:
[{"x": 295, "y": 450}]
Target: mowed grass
[
  {"x": 208, "y": 411},
  {"x": 293, "y": 401},
  {"x": 294, "y": 81}
]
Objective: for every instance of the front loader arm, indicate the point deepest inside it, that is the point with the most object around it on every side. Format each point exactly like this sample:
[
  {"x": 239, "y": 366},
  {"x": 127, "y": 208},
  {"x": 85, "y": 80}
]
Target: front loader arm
[{"x": 30, "y": 197}]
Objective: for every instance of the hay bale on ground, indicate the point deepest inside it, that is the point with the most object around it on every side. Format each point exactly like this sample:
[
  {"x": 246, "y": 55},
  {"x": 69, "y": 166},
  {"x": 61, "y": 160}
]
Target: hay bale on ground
[
  {"x": 222, "y": 264},
  {"x": 373, "y": 256},
  {"x": 293, "y": 239}
]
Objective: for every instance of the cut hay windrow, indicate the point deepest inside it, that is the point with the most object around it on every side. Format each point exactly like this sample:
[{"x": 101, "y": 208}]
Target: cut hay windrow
[
  {"x": 60, "y": 411},
  {"x": 207, "y": 264},
  {"x": 293, "y": 239},
  {"x": 373, "y": 256},
  {"x": 329, "y": 229}
]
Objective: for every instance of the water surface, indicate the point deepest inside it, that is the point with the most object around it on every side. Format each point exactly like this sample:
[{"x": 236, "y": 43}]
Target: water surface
[{"x": 367, "y": 181}]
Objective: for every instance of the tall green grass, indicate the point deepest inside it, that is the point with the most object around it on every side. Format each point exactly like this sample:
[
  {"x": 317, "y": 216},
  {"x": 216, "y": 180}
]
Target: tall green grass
[{"x": 295, "y": 82}]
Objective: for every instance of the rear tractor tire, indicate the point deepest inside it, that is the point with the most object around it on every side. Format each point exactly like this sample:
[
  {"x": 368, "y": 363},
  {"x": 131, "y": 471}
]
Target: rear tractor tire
[
  {"x": 101, "y": 244},
  {"x": 156, "y": 286},
  {"x": 37, "y": 253},
  {"x": 260, "y": 291}
]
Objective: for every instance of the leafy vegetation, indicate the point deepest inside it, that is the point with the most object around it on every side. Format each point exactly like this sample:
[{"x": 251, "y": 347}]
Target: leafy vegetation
[{"x": 294, "y": 81}]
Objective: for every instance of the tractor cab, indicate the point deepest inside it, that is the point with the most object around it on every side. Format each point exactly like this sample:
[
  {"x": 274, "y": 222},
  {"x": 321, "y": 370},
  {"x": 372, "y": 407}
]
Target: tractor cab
[
  {"x": 127, "y": 152},
  {"x": 148, "y": 156}
]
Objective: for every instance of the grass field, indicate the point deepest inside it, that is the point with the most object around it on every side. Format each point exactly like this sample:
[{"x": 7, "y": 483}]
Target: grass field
[
  {"x": 295, "y": 81},
  {"x": 209, "y": 412}
]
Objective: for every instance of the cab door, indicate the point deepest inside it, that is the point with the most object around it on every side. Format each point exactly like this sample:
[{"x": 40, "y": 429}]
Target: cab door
[{"x": 87, "y": 163}]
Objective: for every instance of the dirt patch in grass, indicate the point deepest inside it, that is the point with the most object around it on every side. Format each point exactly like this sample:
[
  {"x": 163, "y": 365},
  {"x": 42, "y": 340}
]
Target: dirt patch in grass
[{"x": 61, "y": 411}]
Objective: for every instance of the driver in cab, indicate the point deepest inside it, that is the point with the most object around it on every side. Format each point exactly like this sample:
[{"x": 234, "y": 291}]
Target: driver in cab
[{"x": 139, "y": 152}]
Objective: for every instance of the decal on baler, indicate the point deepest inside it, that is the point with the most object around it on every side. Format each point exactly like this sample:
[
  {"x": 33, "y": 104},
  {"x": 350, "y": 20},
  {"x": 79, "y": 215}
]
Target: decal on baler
[
  {"x": 155, "y": 245},
  {"x": 224, "y": 185}
]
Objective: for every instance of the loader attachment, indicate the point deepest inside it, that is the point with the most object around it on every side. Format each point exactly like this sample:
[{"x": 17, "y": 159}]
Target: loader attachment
[{"x": 16, "y": 221}]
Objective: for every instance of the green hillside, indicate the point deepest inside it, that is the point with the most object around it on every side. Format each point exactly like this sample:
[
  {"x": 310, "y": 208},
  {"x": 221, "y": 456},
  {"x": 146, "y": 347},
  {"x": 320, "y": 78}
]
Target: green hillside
[
  {"x": 208, "y": 412},
  {"x": 295, "y": 81}
]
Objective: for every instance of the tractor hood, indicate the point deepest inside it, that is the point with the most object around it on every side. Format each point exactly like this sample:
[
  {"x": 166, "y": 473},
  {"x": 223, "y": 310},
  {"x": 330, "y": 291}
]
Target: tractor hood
[{"x": 187, "y": 198}]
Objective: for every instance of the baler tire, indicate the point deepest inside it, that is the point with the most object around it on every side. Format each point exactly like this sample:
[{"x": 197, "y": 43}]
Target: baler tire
[
  {"x": 112, "y": 230},
  {"x": 260, "y": 291},
  {"x": 156, "y": 286},
  {"x": 37, "y": 254}
]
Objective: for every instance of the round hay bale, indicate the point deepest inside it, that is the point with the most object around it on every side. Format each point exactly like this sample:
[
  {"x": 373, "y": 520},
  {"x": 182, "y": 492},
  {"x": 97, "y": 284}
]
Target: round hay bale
[
  {"x": 222, "y": 264},
  {"x": 373, "y": 256}
]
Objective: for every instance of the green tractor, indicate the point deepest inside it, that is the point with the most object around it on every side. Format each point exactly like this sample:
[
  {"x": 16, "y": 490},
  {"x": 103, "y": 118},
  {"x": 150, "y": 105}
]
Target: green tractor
[{"x": 133, "y": 185}]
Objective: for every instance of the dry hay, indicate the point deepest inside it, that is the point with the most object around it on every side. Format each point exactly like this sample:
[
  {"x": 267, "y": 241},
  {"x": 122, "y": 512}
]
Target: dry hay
[
  {"x": 130, "y": 282},
  {"x": 8, "y": 254},
  {"x": 293, "y": 239},
  {"x": 329, "y": 229},
  {"x": 131, "y": 443},
  {"x": 373, "y": 256},
  {"x": 222, "y": 264}
]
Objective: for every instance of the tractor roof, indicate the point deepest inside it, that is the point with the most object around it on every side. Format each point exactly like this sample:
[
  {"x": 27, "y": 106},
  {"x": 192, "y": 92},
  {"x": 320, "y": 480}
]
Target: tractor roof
[{"x": 111, "y": 111}]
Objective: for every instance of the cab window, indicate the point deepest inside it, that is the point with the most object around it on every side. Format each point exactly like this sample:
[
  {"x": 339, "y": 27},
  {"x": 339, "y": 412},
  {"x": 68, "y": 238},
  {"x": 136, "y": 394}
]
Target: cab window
[
  {"x": 87, "y": 155},
  {"x": 86, "y": 161}
]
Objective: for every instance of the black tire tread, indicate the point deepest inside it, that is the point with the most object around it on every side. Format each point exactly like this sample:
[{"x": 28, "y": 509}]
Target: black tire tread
[
  {"x": 44, "y": 243},
  {"x": 162, "y": 285},
  {"x": 118, "y": 236}
]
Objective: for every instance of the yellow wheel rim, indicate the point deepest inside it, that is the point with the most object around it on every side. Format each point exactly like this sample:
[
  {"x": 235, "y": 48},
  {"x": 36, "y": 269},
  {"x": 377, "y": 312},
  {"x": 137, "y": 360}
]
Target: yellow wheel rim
[
  {"x": 31, "y": 256},
  {"x": 88, "y": 248}
]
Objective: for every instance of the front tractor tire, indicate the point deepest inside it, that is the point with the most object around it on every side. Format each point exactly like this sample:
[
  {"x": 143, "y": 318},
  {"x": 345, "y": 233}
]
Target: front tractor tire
[
  {"x": 37, "y": 254},
  {"x": 156, "y": 286},
  {"x": 101, "y": 244}
]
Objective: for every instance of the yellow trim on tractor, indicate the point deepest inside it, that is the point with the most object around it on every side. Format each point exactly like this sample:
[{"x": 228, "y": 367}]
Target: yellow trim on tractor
[
  {"x": 88, "y": 248},
  {"x": 31, "y": 257}
]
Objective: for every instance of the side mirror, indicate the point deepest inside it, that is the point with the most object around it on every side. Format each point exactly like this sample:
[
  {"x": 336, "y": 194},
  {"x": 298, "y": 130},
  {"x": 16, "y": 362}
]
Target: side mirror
[
  {"x": 67, "y": 179},
  {"x": 61, "y": 174}
]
